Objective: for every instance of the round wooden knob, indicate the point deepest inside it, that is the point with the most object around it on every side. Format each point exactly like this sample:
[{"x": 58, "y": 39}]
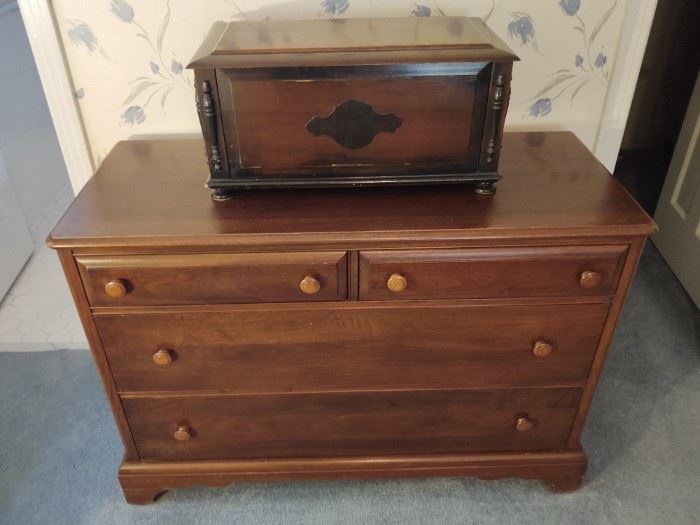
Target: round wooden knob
[
  {"x": 542, "y": 349},
  {"x": 309, "y": 285},
  {"x": 396, "y": 283},
  {"x": 589, "y": 279},
  {"x": 523, "y": 424},
  {"x": 182, "y": 433},
  {"x": 162, "y": 357},
  {"x": 116, "y": 288}
]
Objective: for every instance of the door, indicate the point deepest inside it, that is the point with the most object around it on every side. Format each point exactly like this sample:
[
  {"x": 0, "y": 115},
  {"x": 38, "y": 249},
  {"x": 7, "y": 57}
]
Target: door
[
  {"x": 15, "y": 241},
  {"x": 678, "y": 211}
]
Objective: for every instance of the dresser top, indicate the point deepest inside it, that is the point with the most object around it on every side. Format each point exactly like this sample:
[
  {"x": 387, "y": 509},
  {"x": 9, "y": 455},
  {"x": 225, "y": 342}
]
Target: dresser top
[{"x": 150, "y": 194}]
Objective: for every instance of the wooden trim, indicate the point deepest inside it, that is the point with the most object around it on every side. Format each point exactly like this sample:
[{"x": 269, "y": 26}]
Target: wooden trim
[
  {"x": 81, "y": 304},
  {"x": 51, "y": 63},
  {"x": 606, "y": 338},
  {"x": 632, "y": 44},
  {"x": 356, "y": 245},
  {"x": 227, "y": 393},
  {"x": 561, "y": 470},
  {"x": 202, "y": 260},
  {"x": 495, "y": 116},
  {"x": 342, "y": 305},
  {"x": 354, "y": 240},
  {"x": 353, "y": 275}
]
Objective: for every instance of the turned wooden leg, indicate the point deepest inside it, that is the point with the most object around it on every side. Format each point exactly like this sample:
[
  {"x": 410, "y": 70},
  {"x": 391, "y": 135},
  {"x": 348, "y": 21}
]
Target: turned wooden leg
[
  {"x": 485, "y": 188},
  {"x": 221, "y": 194},
  {"x": 142, "y": 495}
]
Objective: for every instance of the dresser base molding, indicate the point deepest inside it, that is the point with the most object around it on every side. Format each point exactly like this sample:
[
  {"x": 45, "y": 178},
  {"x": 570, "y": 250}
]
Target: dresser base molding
[{"x": 142, "y": 482}]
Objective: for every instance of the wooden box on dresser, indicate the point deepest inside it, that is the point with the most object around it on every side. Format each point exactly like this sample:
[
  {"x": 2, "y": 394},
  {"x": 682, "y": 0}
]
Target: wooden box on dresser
[{"x": 350, "y": 333}]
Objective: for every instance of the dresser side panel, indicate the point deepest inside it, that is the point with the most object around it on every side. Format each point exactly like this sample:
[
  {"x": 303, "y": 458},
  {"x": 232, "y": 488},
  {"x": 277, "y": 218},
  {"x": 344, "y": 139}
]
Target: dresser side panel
[
  {"x": 628, "y": 271},
  {"x": 81, "y": 303}
]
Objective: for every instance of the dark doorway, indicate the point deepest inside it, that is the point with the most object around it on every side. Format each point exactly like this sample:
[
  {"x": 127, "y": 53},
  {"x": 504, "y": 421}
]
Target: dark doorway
[{"x": 660, "y": 101}]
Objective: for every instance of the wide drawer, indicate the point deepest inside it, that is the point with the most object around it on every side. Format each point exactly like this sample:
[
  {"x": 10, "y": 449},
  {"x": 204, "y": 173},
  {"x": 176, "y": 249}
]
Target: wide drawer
[
  {"x": 490, "y": 272},
  {"x": 214, "y": 278},
  {"x": 319, "y": 348},
  {"x": 346, "y": 424}
]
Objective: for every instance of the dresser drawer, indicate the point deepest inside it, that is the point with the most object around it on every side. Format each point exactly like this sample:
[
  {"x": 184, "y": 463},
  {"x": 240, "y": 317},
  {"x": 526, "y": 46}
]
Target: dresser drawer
[
  {"x": 214, "y": 278},
  {"x": 361, "y": 423},
  {"x": 490, "y": 273},
  {"x": 308, "y": 348}
]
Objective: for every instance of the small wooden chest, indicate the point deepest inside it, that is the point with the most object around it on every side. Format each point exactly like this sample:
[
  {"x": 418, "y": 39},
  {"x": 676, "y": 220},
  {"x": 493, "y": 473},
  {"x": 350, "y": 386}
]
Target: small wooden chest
[{"x": 352, "y": 102}]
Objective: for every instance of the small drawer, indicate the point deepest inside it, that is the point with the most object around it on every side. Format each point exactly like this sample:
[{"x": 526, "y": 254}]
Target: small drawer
[
  {"x": 137, "y": 280},
  {"x": 490, "y": 273},
  {"x": 351, "y": 347},
  {"x": 350, "y": 423}
]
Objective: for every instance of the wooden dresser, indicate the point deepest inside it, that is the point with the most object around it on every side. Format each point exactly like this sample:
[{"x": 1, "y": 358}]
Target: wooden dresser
[{"x": 350, "y": 333}]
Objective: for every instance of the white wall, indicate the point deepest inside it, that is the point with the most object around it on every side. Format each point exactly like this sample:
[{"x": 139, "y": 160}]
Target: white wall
[
  {"x": 27, "y": 138},
  {"x": 125, "y": 56}
]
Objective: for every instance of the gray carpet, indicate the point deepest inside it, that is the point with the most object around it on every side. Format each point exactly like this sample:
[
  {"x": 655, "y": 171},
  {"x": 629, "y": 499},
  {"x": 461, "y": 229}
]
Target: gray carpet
[{"x": 59, "y": 449}]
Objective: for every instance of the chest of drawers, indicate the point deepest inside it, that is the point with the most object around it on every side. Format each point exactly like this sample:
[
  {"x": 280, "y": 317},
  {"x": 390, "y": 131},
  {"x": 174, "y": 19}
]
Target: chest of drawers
[{"x": 350, "y": 333}]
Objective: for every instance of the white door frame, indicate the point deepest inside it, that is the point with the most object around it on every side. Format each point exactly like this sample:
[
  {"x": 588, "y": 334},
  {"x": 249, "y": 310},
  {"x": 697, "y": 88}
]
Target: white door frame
[
  {"x": 634, "y": 34},
  {"x": 47, "y": 46}
]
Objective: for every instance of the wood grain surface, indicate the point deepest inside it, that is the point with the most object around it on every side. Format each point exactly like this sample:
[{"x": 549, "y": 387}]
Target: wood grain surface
[
  {"x": 552, "y": 188},
  {"x": 214, "y": 278},
  {"x": 485, "y": 273},
  {"x": 350, "y": 423},
  {"x": 355, "y": 348}
]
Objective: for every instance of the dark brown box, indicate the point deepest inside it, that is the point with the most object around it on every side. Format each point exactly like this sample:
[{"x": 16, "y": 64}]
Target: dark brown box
[{"x": 352, "y": 102}]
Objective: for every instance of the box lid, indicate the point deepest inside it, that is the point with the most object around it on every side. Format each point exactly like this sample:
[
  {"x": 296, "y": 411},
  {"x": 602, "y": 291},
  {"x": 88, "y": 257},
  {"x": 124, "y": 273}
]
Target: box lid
[{"x": 367, "y": 41}]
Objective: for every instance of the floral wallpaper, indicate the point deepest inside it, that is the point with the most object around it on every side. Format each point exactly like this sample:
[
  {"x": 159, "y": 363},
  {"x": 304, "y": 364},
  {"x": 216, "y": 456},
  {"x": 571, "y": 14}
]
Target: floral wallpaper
[{"x": 127, "y": 56}]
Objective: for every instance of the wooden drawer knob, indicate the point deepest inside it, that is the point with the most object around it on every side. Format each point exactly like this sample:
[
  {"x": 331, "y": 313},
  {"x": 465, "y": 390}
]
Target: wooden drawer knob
[
  {"x": 523, "y": 424},
  {"x": 589, "y": 279},
  {"x": 162, "y": 357},
  {"x": 310, "y": 285},
  {"x": 542, "y": 349},
  {"x": 182, "y": 433},
  {"x": 396, "y": 283},
  {"x": 116, "y": 288}
]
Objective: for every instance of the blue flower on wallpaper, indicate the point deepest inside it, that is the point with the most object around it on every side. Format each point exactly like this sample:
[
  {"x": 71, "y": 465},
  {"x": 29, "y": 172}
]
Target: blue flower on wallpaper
[
  {"x": 572, "y": 80},
  {"x": 333, "y": 7},
  {"x": 421, "y": 10},
  {"x": 123, "y": 11},
  {"x": 522, "y": 28},
  {"x": 82, "y": 34},
  {"x": 133, "y": 115},
  {"x": 162, "y": 75},
  {"x": 176, "y": 67},
  {"x": 600, "y": 60},
  {"x": 540, "y": 108},
  {"x": 570, "y": 7}
]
